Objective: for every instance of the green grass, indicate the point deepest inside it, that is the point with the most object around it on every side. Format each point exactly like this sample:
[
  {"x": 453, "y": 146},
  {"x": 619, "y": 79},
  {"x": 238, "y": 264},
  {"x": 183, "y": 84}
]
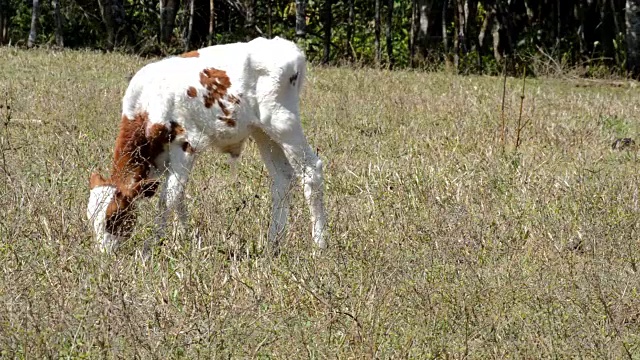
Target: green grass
[{"x": 443, "y": 242}]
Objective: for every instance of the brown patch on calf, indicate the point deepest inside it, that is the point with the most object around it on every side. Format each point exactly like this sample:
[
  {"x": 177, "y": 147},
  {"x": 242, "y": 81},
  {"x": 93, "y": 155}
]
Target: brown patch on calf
[
  {"x": 293, "y": 79},
  {"x": 192, "y": 92},
  {"x": 228, "y": 120},
  {"x": 224, "y": 109},
  {"x": 134, "y": 155},
  {"x": 136, "y": 150},
  {"x": 233, "y": 99},
  {"x": 176, "y": 129},
  {"x": 120, "y": 214},
  {"x": 120, "y": 217},
  {"x": 216, "y": 82},
  {"x": 190, "y": 54},
  {"x": 186, "y": 147}
]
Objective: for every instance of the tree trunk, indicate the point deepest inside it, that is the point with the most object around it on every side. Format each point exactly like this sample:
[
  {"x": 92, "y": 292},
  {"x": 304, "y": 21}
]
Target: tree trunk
[
  {"x": 107, "y": 19},
  {"x": 327, "y": 20},
  {"x": 632, "y": 20},
  {"x": 35, "y": 17},
  {"x": 471, "y": 25},
  {"x": 459, "y": 40},
  {"x": 614, "y": 14},
  {"x": 389, "y": 40},
  {"x": 413, "y": 33},
  {"x": 495, "y": 32},
  {"x": 58, "y": 21},
  {"x": 462, "y": 25},
  {"x": 202, "y": 28},
  {"x": 419, "y": 37},
  {"x": 301, "y": 23},
  {"x": 187, "y": 40},
  {"x": 5, "y": 13},
  {"x": 269, "y": 20},
  {"x": 502, "y": 26},
  {"x": 558, "y": 21},
  {"x": 445, "y": 41},
  {"x": 212, "y": 23},
  {"x": 376, "y": 25},
  {"x": 168, "y": 12},
  {"x": 250, "y": 19},
  {"x": 112, "y": 12},
  {"x": 488, "y": 20},
  {"x": 424, "y": 9},
  {"x": 580, "y": 17},
  {"x": 482, "y": 35},
  {"x": 350, "y": 21}
]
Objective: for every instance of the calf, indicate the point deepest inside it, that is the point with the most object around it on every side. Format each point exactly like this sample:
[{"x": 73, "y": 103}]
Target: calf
[{"x": 215, "y": 97}]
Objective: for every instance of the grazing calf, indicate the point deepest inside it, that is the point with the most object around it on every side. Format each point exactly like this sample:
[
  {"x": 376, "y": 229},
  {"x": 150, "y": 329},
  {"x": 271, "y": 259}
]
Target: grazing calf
[{"x": 215, "y": 97}]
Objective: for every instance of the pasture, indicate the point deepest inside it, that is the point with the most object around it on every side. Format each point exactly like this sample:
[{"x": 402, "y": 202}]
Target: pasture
[{"x": 444, "y": 242}]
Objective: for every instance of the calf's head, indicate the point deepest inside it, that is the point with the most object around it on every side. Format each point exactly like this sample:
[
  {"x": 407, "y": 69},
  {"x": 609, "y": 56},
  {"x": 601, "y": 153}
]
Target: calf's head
[{"x": 111, "y": 210}]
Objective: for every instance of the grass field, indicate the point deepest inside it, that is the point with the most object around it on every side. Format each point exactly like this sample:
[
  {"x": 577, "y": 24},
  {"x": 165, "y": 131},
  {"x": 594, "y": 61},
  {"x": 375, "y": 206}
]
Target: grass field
[{"x": 444, "y": 242}]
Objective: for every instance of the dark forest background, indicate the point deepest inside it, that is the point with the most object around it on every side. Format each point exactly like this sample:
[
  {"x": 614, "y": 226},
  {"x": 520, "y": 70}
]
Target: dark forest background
[{"x": 595, "y": 37}]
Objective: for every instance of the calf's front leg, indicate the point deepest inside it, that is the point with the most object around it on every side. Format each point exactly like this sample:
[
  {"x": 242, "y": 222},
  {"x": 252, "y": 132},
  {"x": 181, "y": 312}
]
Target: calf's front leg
[
  {"x": 172, "y": 195},
  {"x": 287, "y": 132},
  {"x": 282, "y": 175}
]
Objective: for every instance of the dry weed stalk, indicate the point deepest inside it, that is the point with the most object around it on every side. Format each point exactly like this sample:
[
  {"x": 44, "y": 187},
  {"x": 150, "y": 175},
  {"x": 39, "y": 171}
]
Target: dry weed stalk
[
  {"x": 520, "y": 125},
  {"x": 6, "y": 113},
  {"x": 504, "y": 92}
]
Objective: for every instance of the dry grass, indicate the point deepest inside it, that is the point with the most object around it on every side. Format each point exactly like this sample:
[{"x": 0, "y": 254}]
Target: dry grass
[{"x": 444, "y": 244}]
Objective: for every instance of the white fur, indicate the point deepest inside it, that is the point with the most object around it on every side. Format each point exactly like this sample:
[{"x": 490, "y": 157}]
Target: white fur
[
  {"x": 261, "y": 73},
  {"x": 99, "y": 199}
]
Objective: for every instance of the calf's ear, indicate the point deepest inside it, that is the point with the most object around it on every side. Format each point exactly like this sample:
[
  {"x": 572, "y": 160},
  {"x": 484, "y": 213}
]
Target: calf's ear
[{"x": 96, "y": 180}]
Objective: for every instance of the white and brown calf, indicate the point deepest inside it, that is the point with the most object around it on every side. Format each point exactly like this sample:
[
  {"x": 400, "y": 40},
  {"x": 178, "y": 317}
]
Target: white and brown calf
[{"x": 215, "y": 97}]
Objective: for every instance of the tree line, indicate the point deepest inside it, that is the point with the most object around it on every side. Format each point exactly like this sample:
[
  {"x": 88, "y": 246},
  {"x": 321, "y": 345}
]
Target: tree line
[{"x": 472, "y": 36}]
